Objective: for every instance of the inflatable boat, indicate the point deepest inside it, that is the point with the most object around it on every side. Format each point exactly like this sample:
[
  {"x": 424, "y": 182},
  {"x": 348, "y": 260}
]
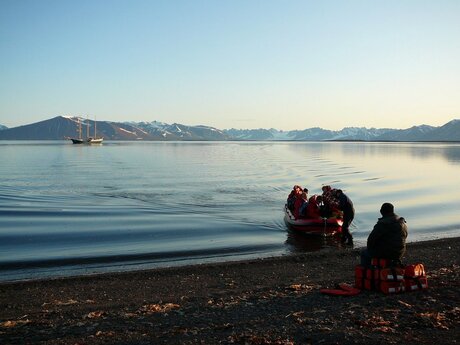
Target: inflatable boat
[{"x": 313, "y": 226}]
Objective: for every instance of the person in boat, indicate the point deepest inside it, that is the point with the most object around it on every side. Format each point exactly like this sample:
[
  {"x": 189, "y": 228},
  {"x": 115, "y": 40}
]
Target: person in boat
[
  {"x": 301, "y": 204},
  {"x": 328, "y": 201},
  {"x": 327, "y": 191},
  {"x": 388, "y": 238},
  {"x": 303, "y": 207},
  {"x": 346, "y": 206},
  {"x": 295, "y": 194},
  {"x": 314, "y": 206}
]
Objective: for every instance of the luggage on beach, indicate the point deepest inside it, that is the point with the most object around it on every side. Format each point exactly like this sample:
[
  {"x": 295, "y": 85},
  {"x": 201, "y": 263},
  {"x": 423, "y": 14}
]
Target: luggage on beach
[
  {"x": 388, "y": 287},
  {"x": 390, "y": 274},
  {"x": 361, "y": 280},
  {"x": 380, "y": 262},
  {"x": 417, "y": 270},
  {"x": 390, "y": 277},
  {"x": 364, "y": 278},
  {"x": 390, "y": 280},
  {"x": 417, "y": 283},
  {"x": 415, "y": 277}
]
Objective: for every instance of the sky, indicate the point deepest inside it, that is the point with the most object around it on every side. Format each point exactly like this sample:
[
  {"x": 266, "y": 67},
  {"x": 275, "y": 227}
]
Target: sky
[{"x": 284, "y": 64}]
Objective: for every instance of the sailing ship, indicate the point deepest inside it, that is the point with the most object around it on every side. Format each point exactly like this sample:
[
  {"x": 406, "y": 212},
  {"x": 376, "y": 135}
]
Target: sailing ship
[{"x": 88, "y": 140}]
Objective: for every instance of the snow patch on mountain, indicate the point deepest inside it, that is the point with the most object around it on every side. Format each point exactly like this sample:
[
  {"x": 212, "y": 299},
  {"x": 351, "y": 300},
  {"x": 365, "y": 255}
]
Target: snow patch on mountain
[
  {"x": 62, "y": 127},
  {"x": 126, "y": 131}
]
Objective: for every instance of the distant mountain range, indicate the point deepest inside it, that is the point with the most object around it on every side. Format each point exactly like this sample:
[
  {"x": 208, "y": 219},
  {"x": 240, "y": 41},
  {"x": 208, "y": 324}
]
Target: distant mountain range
[{"x": 61, "y": 127}]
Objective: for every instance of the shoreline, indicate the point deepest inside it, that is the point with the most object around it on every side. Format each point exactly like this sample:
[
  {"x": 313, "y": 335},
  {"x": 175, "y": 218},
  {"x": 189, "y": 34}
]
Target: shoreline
[
  {"x": 149, "y": 266},
  {"x": 274, "y": 300}
]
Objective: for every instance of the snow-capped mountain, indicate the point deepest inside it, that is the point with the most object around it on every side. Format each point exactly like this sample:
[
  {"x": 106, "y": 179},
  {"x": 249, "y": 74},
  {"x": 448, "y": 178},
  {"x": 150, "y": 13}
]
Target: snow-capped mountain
[
  {"x": 359, "y": 133},
  {"x": 448, "y": 132},
  {"x": 253, "y": 134},
  {"x": 181, "y": 132},
  {"x": 310, "y": 134},
  {"x": 2, "y": 127},
  {"x": 61, "y": 127}
]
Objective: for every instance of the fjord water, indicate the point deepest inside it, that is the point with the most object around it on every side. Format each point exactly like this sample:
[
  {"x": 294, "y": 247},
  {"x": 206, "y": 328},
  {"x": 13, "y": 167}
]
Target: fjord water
[{"x": 74, "y": 209}]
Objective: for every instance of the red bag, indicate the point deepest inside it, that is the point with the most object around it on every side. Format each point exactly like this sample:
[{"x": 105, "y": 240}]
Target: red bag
[
  {"x": 390, "y": 274},
  {"x": 390, "y": 280},
  {"x": 364, "y": 278},
  {"x": 382, "y": 263},
  {"x": 370, "y": 284},
  {"x": 365, "y": 284},
  {"x": 373, "y": 273},
  {"x": 359, "y": 283},
  {"x": 416, "y": 270},
  {"x": 389, "y": 287},
  {"x": 359, "y": 271},
  {"x": 412, "y": 284}
]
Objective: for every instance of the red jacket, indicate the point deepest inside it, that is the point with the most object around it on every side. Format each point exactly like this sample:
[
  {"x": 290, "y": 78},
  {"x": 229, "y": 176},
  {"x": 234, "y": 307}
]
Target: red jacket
[
  {"x": 313, "y": 210},
  {"x": 297, "y": 204}
]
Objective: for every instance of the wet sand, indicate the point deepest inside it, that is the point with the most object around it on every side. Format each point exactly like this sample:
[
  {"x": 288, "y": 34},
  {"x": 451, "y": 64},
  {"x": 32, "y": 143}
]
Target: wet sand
[{"x": 265, "y": 301}]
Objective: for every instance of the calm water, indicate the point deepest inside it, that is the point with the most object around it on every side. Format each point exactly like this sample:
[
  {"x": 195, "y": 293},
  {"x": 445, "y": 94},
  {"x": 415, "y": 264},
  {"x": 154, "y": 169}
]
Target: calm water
[{"x": 69, "y": 209}]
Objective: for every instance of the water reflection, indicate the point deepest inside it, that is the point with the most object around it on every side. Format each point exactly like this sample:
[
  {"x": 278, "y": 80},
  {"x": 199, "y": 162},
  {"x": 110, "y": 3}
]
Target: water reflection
[
  {"x": 301, "y": 243},
  {"x": 217, "y": 198},
  {"x": 449, "y": 152},
  {"x": 452, "y": 153}
]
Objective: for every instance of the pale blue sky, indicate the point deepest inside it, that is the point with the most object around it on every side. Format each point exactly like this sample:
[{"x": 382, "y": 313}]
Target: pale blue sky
[{"x": 244, "y": 64}]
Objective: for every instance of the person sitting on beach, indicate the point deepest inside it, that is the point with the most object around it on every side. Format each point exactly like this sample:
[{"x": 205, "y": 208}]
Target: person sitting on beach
[
  {"x": 388, "y": 238},
  {"x": 314, "y": 206}
]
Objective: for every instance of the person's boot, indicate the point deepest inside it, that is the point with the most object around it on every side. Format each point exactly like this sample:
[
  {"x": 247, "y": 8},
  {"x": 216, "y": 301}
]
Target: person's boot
[{"x": 349, "y": 239}]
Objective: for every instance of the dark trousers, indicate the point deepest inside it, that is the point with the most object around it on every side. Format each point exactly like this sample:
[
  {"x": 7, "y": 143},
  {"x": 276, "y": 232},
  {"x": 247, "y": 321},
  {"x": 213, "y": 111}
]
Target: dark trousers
[
  {"x": 365, "y": 258},
  {"x": 345, "y": 227}
]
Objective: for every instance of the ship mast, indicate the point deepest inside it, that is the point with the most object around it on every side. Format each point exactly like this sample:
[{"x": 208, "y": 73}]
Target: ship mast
[{"x": 79, "y": 128}]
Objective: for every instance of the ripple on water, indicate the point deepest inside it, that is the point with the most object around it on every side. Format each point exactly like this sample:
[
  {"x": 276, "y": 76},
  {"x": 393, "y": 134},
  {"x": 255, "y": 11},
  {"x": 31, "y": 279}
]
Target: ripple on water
[{"x": 179, "y": 202}]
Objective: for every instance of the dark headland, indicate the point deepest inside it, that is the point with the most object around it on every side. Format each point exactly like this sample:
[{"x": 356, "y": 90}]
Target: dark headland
[{"x": 265, "y": 301}]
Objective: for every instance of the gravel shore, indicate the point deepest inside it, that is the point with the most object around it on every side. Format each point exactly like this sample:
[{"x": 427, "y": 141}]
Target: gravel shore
[{"x": 265, "y": 301}]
